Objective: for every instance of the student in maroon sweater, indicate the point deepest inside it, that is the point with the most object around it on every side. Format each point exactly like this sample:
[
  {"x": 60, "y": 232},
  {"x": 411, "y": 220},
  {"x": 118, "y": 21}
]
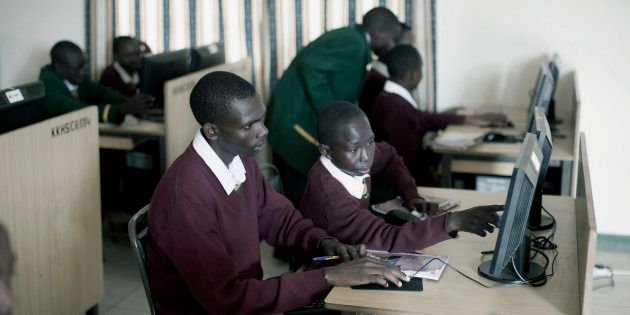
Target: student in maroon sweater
[
  {"x": 122, "y": 75},
  {"x": 396, "y": 118},
  {"x": 338, "y": 189},
  {"x": 377, "y": 75},
  {"x": 212, "y": 209}
]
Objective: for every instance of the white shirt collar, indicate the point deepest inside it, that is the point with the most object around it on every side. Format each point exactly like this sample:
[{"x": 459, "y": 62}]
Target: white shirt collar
[
  {"x": 353, "y": 184},
  {"x": 379, "y": 67},
  {"x": 231, "y": 176},
  {"x": 73, "y": 88},
  {"x": 127, "y": 78},
  {"x": 395, "y": 88}
]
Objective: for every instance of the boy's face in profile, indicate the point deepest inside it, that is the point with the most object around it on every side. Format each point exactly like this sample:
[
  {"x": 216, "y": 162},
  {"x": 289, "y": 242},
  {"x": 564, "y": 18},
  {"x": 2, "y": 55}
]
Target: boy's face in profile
[
  {"x": 128, "y": 55},
  {"x": 243, "y": 131},
  {"x": 352, "y": 150}
]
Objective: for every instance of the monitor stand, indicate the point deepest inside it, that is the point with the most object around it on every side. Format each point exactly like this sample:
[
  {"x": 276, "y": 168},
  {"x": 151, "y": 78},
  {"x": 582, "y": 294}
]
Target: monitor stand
[
  {"x": 537, "y": 220},
  {"x": 529, "y": 270}
]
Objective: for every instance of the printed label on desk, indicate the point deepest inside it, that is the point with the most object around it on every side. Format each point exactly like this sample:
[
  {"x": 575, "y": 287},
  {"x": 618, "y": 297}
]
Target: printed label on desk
[
  {"x": 535, "y": 161},
  {"x": 14, "y": 96},
  {"x": 213, "y": 49}
]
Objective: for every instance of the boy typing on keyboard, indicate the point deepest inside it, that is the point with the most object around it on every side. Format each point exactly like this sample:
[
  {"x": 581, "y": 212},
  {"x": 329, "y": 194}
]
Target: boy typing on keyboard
[{"x": 338, "y": 189}]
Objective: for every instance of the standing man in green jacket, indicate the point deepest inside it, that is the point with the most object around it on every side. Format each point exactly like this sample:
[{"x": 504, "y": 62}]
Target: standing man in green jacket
[
  {"x": 68, "y": 88},
  {"x": 330, "y": 68}
]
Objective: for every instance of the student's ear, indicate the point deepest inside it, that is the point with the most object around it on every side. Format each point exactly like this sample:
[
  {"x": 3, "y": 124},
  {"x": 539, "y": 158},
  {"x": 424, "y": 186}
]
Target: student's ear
[
  {"x": 58, "y": 67},
  {"x": 210, "y": 131},
  {"x": 324, "y": 150}
]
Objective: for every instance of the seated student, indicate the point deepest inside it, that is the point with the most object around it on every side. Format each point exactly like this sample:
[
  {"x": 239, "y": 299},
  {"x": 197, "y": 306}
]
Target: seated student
[
  {"x": 122, "y": 75},
  {"x": 68, "y": 88},
  {"x": 377, "y": 75},
  {"x": 7, "y": 261},
  {"x": 396, "y": 119},
  {"x": 339, "y": 185},
  {"x": 212, "y": 209}
]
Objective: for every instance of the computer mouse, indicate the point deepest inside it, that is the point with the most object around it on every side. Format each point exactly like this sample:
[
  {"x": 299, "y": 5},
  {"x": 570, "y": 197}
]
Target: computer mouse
[
  {"x": 494, "y": 137},
  {"x": 399, "y": 217}
]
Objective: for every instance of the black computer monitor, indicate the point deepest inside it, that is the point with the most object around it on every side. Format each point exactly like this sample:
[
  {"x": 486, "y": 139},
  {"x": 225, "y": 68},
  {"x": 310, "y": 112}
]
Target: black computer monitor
[
  {"x": 543, "y": 91},
  {"x": 22, "y": 105},
  {"x": 511, "y": 258},
  {"x": 156, "y": 69},
  {"x": 554, "y": 70},
  {"x": 538, "y": 221},
  {"x": 207, "y": 56}
]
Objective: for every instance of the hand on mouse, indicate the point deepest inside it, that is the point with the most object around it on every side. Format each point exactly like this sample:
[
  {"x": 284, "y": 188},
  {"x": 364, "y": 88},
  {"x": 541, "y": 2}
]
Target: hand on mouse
[
  {"x": 477, "y": 220},
  {"x": 363, "y": 271}
]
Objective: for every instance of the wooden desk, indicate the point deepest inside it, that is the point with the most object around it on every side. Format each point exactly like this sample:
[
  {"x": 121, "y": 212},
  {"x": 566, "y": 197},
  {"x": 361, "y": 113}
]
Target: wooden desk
[
  {"x": 498, "y": 158},
  {"x": 491, "y": 158},
  {"x": 124, "y": 137},
  {"x": 454, "y": 294},
  {"x": 50, "y": 204}
]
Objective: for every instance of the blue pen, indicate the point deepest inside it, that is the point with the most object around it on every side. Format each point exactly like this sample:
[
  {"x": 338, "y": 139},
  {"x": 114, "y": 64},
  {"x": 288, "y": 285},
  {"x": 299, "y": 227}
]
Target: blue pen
[{"x": 324, "y": 258}]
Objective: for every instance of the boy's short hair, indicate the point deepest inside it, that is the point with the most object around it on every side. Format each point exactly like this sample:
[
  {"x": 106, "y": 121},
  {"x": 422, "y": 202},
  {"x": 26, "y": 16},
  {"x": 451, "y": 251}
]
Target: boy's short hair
[
  {"x": 401, "y": 60},
  {"x": 121, "y": 40},
  {"x": 211, "y": 98},
  {"x": 59, "y": 51},
  {"x": 334, "y": 116}
]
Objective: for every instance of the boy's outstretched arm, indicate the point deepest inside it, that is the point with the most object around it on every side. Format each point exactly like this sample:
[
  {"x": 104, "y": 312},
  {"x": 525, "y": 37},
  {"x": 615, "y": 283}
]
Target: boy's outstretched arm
[{"x": 477, "y": 220}]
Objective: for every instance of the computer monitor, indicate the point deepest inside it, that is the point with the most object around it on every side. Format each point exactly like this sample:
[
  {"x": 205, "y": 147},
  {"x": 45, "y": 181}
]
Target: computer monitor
[
  {"x": 554, "y": 70},
  {"x": 511, "y": 258},
  {"x": 538, "y": 221},
  {"x": 156, "y": 69},
  {"x": 207, "y": 56},
  {"x": 22, "y": 105},
  {"x": 543, "y": 91}
]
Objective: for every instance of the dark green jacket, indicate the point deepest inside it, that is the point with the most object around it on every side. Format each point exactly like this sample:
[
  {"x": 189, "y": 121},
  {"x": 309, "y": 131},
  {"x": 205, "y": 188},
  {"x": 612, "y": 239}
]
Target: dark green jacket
[
  {"x": 59, "y": 100},
  {"x": 330, "y": 68}
]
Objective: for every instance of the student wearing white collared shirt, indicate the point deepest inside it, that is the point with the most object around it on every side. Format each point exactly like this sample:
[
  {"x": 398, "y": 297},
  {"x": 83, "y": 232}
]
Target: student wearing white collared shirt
[
  {"x": 396, "y": 119},
  {"x": 212, "y": 208},
  {"x": 122, "y": 75},
  {"x": 338, "y": 189}
]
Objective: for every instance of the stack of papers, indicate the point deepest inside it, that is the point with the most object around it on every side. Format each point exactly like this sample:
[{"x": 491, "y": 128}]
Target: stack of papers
[
  {"x": 414, "y": 265},
  {"x": 457, "y": 139}
]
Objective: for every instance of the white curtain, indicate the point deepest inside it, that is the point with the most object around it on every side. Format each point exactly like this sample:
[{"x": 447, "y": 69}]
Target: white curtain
[{"x": 296, "y": 23}]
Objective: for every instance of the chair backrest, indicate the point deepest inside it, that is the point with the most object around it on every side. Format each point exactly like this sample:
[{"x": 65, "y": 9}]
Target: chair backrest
[
  {"x": 138, "y": 228},
  {"x": 272, "y": 175}
]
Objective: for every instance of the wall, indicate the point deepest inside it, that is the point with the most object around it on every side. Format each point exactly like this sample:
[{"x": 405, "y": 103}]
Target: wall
[
  {"x": 29, "y": 28},
  {"x": 488, "y": 51}
]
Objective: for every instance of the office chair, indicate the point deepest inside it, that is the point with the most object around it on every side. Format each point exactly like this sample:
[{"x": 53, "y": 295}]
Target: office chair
[
  {"x": 138, "y": 227},
  {"x": 272, "y": 175}
]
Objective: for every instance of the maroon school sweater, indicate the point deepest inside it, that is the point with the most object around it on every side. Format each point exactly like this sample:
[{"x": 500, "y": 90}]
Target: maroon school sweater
[
  {"x": 203, "y": 251},
  {"x": 400, "y": 124},
  {"x": 111, "y": 78},
  {"x": 372, "y": 87},
  {"x": 347, "y": 218}
]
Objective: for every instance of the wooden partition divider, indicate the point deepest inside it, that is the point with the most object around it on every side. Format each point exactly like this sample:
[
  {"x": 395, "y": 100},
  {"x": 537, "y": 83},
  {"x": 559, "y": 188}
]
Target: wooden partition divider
[
  {"x": 179, "y": 121},
  {"x": 586, "y": 229},
  {"x": 50, "y": 205}
]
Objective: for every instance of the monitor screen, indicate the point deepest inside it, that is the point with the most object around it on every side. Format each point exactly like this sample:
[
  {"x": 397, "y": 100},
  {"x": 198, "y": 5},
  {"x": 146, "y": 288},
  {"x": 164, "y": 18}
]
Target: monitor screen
[
  {"x": 543, "y": 133},
  {"x": 207, "y": 56},
  {"x": 542, "y": 91},
  {"x": 510, "y": 261},
  {"x": 22, "y": 106},
  {"x": 554, "y": 71},
  {"x": 159, "y": 68}
]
